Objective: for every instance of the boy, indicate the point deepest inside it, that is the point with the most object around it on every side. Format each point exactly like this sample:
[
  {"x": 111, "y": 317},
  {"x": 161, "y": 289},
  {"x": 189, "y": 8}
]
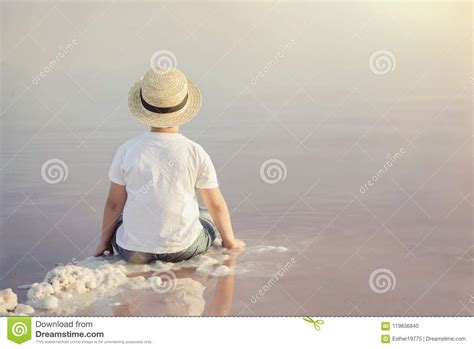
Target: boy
[{"x": 152, "y": 211}]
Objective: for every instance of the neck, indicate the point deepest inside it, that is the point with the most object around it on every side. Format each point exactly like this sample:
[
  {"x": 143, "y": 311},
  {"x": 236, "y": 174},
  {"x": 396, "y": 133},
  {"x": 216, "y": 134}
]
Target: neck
[{"x": 165, "y": 129}]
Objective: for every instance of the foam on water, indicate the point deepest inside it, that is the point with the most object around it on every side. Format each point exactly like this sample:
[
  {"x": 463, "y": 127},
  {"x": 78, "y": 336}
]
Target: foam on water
[
  {"x": 66, "y": 289},
  {"x": 263, "y": 248},
  {"x": 221, "y": 271}
]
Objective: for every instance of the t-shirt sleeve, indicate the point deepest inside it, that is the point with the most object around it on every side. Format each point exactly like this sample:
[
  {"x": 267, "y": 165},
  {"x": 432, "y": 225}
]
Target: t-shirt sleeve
[
  {"x": 116, "y": 169},
  {"x": 207, "y": 176}
]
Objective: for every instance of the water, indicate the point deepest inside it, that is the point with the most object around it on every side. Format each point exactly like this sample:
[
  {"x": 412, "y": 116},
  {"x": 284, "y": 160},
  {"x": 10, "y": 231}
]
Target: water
[{"x": 317, "y": 106}]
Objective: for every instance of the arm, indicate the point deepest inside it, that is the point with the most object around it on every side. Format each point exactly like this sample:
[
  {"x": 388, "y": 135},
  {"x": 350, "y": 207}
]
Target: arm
[
  {"x": 217, "y": 207},
  {"x": 113, "y": 208}
]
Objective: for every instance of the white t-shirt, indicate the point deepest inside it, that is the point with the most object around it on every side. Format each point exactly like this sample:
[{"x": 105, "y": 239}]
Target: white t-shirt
[{"x": 161, "y": 172}]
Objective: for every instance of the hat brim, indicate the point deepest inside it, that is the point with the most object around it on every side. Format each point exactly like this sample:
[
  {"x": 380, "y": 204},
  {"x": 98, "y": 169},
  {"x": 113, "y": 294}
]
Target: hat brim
[{"x": 177, "y": 118}]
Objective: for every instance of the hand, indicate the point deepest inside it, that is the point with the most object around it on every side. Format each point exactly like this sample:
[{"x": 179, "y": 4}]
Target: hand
[
  {"x": 232, "y": 257},
  {"x": 104, "y": 246},
  {"x": 234, "y": 244}
]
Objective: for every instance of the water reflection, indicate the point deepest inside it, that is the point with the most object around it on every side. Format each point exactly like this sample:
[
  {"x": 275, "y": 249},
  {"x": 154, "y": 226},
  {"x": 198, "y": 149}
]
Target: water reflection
[{"x": 186, "y": 297}]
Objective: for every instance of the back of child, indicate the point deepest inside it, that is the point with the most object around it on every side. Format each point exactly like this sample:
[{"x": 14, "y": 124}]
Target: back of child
[
  {"x": 152, "y": 211},
  {"x": 161, "y": 172}
]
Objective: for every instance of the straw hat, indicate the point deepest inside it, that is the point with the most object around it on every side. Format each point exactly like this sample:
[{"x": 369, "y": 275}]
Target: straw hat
[{"x": 164, "y": 98}]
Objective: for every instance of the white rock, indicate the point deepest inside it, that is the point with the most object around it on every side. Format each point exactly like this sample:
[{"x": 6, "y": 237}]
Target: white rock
[
  {"x": 65, "y": 283},
  {"x": 39, "y": 291},
  {"x": 155, "y": 282},
  {"x": 8, "y": 300},
  {"x": 47, "y": 303},
  {"x": 136, "y": 283},
  {"x": 24, "y": 309}
]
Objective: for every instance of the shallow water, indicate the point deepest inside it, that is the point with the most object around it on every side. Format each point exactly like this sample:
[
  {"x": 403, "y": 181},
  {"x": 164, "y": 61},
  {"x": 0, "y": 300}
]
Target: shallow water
[{"x": 319, "y": 110}]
